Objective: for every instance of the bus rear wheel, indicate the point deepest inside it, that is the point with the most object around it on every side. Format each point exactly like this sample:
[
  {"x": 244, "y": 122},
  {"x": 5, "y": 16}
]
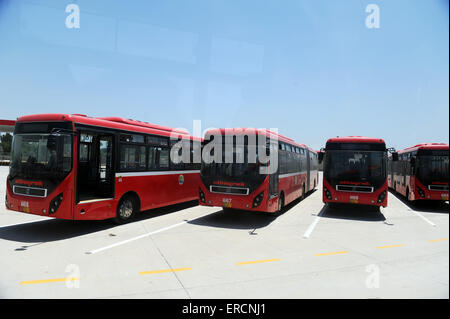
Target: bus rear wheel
[
  {"x": 280, "y": 204},
  {"x": 408, "y": 196},
  {"x": 126, "y": 209}
]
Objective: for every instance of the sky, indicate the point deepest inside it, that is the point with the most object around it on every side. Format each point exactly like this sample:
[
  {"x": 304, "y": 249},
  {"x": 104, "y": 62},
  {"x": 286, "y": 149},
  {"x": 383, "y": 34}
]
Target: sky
[{"x": 310, "y": 69}]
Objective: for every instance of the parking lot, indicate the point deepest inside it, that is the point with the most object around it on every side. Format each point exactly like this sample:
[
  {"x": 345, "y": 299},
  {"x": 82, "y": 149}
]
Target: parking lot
[{"x": 190, "y": 251}]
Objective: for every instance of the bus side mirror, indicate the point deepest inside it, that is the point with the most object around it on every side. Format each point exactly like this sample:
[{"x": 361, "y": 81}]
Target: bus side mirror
[
  {"x": 320, "y": 156},
  {"x": 395, "y": 157}
]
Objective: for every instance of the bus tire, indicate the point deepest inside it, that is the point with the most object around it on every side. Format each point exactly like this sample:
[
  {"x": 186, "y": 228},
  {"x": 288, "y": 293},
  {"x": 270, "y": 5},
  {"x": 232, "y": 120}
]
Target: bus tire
[
  {"x": 126, "y": 209},
  {"x": 408, "y": 197},
  {"x": 303, "y": 192},
  {"x": 280, "y": 203}
]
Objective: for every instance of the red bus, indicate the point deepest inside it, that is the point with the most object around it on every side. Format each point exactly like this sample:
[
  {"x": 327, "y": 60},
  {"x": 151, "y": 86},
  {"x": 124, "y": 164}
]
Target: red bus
[
  {"x": 256, "y": 185},
  {"x": 421, "y": 172},
  {"x": 355, "y": 171},
  {"x": 84, "y": 168}
]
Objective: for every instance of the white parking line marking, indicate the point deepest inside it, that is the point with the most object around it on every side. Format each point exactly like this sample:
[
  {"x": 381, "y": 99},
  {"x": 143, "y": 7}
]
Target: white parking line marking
[
  {"x": 313, "y": 225},
  {"x": 135, "y": 238},
  {"x": 424, "y": 218},
  {"x": 140, "y": 237}
]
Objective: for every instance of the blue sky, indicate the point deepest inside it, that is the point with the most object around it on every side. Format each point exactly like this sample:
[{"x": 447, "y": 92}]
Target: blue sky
[{"x": 312, "y": 69}]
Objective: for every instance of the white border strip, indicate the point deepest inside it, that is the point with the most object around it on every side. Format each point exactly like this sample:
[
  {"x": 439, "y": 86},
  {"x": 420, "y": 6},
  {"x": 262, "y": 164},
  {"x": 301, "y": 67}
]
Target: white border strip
[
  {"x": 313, "y": 225},
  {"x": 424, "y": 218},
  {"x": 155, "y": 173},
  {"x": 289, "y": 175}
]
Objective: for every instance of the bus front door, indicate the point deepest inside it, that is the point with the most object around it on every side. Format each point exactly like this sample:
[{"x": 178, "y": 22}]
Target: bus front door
[
  {"x": 105, "y": 167},
  {"x": 95, "y": 174},
  {"x": 273, "y": 185},
  {"x": 308, "y": 171}
]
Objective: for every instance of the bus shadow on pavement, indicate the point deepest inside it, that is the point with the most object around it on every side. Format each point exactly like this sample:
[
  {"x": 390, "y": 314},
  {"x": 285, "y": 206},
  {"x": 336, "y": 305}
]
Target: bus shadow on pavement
[
  {"x": 423, "y": 206},
  {"x": 234, "y": 219},
  {"x": 365, "y": 213},
  {"x": 59, "y": 229},
  {"x": 242, "y": 219},
  {"x": 51, "y": 230},
  {"x": 152, "y": 213}
]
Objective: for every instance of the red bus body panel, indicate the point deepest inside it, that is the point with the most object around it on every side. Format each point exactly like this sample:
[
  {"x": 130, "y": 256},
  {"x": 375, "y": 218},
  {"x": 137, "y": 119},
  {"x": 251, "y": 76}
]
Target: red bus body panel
[{"x": 292, "y": 187}]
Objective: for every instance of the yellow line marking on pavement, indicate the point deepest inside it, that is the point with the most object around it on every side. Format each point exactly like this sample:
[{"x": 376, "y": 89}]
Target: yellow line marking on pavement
[
  {"x": 332, "y": 253},
  {"x": 45, "y": 281},
  {"x": 390, "y": 246},
  {"x": 437, "y": 240},
  {"x": 256, "y": 261},
  {"x": 150, "y": 272}
]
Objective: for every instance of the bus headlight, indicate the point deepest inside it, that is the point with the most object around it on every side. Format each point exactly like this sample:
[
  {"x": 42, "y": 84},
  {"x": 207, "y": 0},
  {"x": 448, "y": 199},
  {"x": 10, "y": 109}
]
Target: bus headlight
[
  {"x": 421, "y": 192},
  {"x": 327, "y": 193},
  {"x": 54, "y": 204},
  {"x": 201, "y": 195},
  {"x": 382, "y": 196},
  {"x": 258, "y": 199}
]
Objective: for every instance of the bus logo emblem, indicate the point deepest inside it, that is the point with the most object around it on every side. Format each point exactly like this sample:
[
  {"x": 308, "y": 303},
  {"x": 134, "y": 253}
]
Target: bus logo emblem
[{"x": 180, "y": 180}]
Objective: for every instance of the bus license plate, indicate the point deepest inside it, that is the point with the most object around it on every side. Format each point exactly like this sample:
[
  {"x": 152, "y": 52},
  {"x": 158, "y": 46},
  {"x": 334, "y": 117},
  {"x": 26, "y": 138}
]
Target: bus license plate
[
  {"x": 444, "y": 196},
  {"x": 25, "y": 206},
  {"x": 226, "y": 202},
  {"x": 354, "y": 199}
]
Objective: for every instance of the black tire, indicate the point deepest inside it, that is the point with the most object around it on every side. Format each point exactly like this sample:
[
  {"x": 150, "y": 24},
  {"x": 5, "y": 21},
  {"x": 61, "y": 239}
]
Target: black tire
[
  {"x": 408, "y": 198},
  {"x": 126, "y": 209},
  {"x": 280, "y": 204},
  {"x": 303, "y": 192}
]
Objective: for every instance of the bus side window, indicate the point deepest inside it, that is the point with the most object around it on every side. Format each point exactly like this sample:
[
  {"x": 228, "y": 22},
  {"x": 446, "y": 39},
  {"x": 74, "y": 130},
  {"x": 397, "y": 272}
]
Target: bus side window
[
  {"x": 84, "y": 152},
  {"x": 151, "y": 163},
  {"x": 163, "y": 158}
]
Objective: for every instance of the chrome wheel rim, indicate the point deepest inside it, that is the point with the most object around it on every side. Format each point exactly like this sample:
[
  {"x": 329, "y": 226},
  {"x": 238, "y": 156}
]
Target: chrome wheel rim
[{"x": 126, "y": 209}]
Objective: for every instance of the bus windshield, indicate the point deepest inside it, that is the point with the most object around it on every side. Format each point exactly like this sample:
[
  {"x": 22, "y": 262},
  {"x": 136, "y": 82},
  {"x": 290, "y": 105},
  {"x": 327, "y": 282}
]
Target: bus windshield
[
  {"x": 432, "y": 168},
  {"x": 41, "y": 156},
  {"x": 243, "y": 169},
  {"x": 355, "y": 166},
  {"x": 240, "y": 167}
]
